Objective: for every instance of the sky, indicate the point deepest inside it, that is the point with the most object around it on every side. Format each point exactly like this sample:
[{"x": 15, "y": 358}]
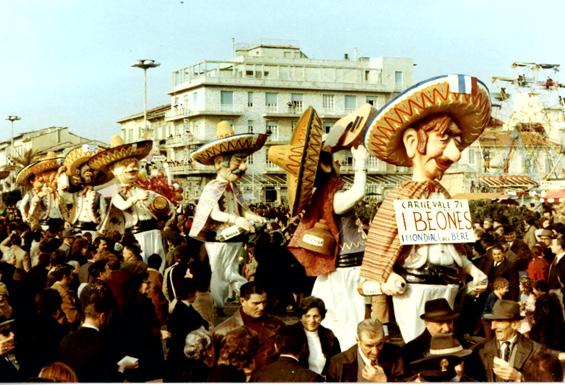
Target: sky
[{"x": 68, "y": 62}]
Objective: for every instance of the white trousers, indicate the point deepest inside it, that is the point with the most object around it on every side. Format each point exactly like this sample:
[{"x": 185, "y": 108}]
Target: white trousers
[
  {"x": 225, "y": 269},
  {"x": 151, "y": 243},
  {"x": 345, "y": 306},
  {"x": 409, "y": 306}
]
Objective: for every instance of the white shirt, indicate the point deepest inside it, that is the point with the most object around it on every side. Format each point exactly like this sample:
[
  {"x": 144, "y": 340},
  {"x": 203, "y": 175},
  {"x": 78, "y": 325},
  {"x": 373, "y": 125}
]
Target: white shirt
[{"x": 316, "y": 359}]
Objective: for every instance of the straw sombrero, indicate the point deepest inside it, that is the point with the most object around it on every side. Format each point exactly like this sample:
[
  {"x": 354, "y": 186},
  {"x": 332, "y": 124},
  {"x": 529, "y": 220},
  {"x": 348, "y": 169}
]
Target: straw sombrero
[
  {"x": 118, "y": 151},
  {"x": 300, "y": 159},
  {"x": 465, "y": 98},
  {"x": 228, "y": 142},
  {"x": 79, "y": 156},
  {"x": 50, "y": 162}
]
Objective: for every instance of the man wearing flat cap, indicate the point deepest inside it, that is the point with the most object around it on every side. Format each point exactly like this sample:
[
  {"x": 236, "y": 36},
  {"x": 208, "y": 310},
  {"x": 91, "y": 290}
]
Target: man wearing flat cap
[
  {"x": 426, "y": 127},
  {"x": 504, "y": 355}
]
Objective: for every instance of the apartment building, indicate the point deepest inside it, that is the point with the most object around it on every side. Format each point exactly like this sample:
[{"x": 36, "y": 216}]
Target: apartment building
[{"x": 265, "y": 87}]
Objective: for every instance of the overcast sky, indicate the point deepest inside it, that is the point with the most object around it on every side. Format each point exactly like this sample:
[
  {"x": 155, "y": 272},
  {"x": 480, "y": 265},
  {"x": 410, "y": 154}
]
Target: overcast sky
[{"x": 68, "y": 62}]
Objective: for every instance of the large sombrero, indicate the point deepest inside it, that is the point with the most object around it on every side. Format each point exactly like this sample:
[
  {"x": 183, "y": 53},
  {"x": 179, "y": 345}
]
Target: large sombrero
[
  {"x": 79, "y": 156},
  {"x": 51, "y": 162},
  {"x": 300, "y": 159},
  {"x": 465, "y": 98},
  {"x": 228, "y": 142},
  {"x": 119, "y": 151}
]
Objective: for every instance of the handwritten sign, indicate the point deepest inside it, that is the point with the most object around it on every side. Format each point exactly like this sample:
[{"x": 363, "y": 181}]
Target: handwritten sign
[{"x": 428, "y": 221}]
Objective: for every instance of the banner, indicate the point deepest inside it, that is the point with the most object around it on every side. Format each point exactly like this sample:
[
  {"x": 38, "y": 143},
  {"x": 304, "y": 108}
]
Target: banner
[{"x": 428, "y": 221}]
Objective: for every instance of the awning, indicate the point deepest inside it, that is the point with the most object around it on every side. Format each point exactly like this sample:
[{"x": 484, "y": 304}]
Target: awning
[
  {"x": 552, "y": 196},
  {"x": 476, "y": 196},
  {"x": 508, "y": 181}
]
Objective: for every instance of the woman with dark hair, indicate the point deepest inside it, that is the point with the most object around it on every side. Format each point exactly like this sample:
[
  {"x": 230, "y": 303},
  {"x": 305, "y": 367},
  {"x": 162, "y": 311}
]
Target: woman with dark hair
[
  {"x": 80, "y": 251},
  {"x": 322, "y": 342},
  {"x": 548, "y": 323},
  {"x": 235, "y": 358}
]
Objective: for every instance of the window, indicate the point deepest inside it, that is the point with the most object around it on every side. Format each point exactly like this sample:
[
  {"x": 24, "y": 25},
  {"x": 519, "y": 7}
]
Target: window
[
  {"x": 273, "y": 129},
  {"x": 250, "y": 159},
  {"x": 250, "y": 124},
  {"x": 398, "y": 79},
  {"x": 327, "y": 127},
  {"x": 296, "y": 102},
  {"x": 350, "y": 103},
  {"x": 226, "y": 100},
  {"x": 250, "y": 99},
  {"x": 268, "y": 163},
  {"x": 328, "y": 102},
  {"x": 372, "y": 100},
  {"x": 471, "y": 156},
  {"x": 271, "y": 101}
]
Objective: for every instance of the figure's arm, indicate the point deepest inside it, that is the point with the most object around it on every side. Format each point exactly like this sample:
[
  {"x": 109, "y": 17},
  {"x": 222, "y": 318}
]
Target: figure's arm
[
  {"x": 221, "y": 216},
  {"x": 248, "y": 214},
  {"x": 22, "y": 206},
  {"x": 4, "y": 244},
  {"x": 124, "y": 204},
  {"x": 345, "y": 200}
]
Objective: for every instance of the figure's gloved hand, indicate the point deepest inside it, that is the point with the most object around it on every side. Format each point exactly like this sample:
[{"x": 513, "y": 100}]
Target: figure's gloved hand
[
  {"x": 360, "y": 154},
  {"x": 243, "y": 223},
  {"x": 394, "y": 285},
  {"x": 479, "y": 282},
  {"x": 141, "y": 194}
]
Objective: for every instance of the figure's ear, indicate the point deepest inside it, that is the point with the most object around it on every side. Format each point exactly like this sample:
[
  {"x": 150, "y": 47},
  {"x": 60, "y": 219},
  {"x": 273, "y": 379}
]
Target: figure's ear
[{"x": 410, "y": 140}]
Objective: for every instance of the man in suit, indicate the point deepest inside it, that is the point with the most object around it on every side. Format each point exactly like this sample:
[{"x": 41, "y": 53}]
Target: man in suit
[
  {"x": 518, "y": 247},
  {"x": 507, "y": 344},
  {"x": 500, "y": 266},
  {"x": 556, "y": 277},
  {"x": 290, "y": 345},
  {"x": 252, "y": 316},
  {"x": 371, "y": 359},
  {"x": 87, "y": 351}
]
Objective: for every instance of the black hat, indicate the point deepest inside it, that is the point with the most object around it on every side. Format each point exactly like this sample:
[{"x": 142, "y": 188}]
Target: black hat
[
  {"x": 504, "y": 309},
  {"x": 438, "y": 310}
]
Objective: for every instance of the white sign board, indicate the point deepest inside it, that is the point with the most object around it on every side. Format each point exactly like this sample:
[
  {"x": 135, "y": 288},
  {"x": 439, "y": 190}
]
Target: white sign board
[{"x": 429, "y": 221}]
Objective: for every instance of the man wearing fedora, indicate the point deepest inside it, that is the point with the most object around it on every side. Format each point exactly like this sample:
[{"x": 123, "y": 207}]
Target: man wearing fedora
[
  {"x": 221, "y": 218},
  {"x": 426, "y": 127},
  {"x": 504, "y": 356},
  {"x": 444, "y": 361}
]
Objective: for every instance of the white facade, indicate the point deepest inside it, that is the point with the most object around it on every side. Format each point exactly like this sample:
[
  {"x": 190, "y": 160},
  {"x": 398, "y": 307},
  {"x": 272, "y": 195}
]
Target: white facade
[{"x": 265, "y": 88}]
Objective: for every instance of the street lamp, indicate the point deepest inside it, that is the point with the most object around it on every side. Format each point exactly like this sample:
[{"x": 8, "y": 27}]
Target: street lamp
[
  {"x": 12, "y": 119},
  {"x": 145, "y": 64}
]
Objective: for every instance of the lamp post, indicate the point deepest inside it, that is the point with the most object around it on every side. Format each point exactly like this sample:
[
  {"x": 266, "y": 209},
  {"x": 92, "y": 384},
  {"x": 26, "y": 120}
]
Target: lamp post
[
  {"x": 12, "y": 119},
  {"x": 145, "y": 64}
]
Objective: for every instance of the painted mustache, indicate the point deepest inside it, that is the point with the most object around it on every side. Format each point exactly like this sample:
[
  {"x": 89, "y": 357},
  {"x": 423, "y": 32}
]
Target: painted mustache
[{"x": 238, "y": 172}]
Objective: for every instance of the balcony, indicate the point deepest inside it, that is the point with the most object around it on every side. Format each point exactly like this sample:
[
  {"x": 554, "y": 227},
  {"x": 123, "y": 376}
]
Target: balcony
[
  {"x": 227, "y": 110},
  {"x": 290, "y": 110}
]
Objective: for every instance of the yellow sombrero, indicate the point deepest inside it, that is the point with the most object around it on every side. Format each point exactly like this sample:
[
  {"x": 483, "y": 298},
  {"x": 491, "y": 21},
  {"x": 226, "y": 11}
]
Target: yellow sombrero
[
  {"x": 51, "y": 162},
  {"x": 228, "y": 142},
  {"x": 465, "y": 98},
  {"x": 118, "y": 151},
  {"x": 300, "y": 159},
  {"x": 79, "y": 156}
]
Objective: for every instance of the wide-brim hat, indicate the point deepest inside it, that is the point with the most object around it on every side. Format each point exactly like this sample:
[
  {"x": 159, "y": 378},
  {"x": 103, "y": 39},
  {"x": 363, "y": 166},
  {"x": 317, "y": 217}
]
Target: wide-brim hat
[
  {"x": 119, "y": 151},
  {"x": 464, "y": 98},
  {"x": 78, "y": 156},
  {"x": 438, "y": 310},
  {"x": 51, "y": 162},
  {"x": 504, "y": 309},
  {"x": 228, "y": 142},
  {"x": 349, "y": 131},
  {"x": 300, "y": 159}
]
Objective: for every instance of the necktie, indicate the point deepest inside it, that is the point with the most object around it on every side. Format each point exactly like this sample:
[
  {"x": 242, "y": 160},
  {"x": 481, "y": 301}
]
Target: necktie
[{"x": 505, "y": 351}]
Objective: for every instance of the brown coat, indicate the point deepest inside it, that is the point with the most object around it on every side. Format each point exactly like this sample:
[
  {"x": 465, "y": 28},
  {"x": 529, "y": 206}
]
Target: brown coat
[{"x": 266, "y": 353}]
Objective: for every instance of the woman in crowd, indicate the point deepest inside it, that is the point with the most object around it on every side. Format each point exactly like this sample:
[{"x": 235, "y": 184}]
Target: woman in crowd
[
  {"x": 197, "y": 353},
  {"x": 547, "y": 327},
  {"x": 322, "y": 343}
]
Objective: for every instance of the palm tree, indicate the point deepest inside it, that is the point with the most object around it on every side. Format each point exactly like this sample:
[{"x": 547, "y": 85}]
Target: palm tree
[{"x": 23, "y": 158}]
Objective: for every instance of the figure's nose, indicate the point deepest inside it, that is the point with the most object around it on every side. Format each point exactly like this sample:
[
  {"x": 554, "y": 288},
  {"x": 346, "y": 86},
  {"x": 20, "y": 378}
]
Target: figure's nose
[
  {"x": 452, "y": 152},
  {"x": 243, "y": 166}
]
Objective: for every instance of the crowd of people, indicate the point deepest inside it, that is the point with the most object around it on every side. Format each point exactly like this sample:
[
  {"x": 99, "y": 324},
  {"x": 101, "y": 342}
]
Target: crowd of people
[{"x": 80, "y": 308}]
